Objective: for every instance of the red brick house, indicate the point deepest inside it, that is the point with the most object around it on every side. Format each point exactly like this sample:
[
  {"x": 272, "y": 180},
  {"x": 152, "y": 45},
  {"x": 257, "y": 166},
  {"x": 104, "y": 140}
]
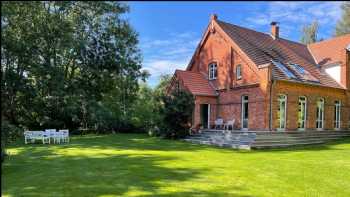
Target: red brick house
[{"x": 266, "y": 82}]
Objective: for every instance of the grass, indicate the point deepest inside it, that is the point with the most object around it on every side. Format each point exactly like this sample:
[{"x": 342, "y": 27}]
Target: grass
[{"x": 137, "y": 165}]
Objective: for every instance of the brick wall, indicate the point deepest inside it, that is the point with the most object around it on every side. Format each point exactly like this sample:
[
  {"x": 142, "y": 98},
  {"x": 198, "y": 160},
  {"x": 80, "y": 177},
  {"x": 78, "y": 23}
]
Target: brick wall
[
  {"x": 204, "y": 100},
  {"x": 216, "y": 48},
  {"x": 230, "y": 106},
  {"x": 312, "y": 93}
]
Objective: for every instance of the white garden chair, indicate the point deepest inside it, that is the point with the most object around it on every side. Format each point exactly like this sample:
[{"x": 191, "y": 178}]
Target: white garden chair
[
  {"x": 228, "y": 124},
  {"x": 65, "y": 135},
  {"x": 28, "y": 136},
  {"x": 47, "y": 136},
  {"x": 53, "y": 135},
  {"x": 218, "y": 123},
  {"x": 35, "y": 135}
]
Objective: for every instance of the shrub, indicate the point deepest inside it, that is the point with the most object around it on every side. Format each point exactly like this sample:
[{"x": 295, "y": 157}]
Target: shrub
[
  {"x": 177, "y": 114},
  {"x": 9, "y": 133}
]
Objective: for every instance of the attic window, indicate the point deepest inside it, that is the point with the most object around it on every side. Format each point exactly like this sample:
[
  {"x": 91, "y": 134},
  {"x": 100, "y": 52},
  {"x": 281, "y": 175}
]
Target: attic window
[
  {"x": 239, "y": 72},
  {"x": 284, "y": 69},
  {"x": 213, "y": 73}
]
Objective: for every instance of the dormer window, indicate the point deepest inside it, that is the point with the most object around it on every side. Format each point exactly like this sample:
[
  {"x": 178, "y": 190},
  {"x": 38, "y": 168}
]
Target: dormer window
[
  {"x": 238, "y": 72},
  {"x": 213, "y": 71}
]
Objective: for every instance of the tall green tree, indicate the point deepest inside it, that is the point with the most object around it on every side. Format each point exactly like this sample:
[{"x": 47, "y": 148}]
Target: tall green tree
[
  {"x": 309, "y": 33},
  {"x": 62, "y": 60},
  {"x": 343, "y": 25}
]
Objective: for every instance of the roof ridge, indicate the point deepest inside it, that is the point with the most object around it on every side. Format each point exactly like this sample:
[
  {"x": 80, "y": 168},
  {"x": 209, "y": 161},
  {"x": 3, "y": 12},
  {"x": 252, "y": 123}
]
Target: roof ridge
[
  {"x": 329, "y": 40},
  {"x": 244, "y": 28}
]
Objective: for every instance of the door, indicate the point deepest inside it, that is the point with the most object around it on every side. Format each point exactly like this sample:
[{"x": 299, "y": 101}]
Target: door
[
  {"x": 244, "y": 111},
  {"x": 205, "y": 114}
]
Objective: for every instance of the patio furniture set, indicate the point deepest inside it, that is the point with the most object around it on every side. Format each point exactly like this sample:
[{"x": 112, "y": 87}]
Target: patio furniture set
[
  {"x": 220, "y": 124},
  {"x": 47, "y": 136}
]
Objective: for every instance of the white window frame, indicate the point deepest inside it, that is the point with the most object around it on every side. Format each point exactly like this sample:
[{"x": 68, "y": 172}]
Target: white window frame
[
  {"x": 285, "y": 112},
  {"x": 243, "y": 112},
  {"x": 238, "y": 77},
  {"x": 305, "y": 113},
  {"x": 337, "y": 118},
  {"x": 320, "y": 122},
  {"x": 213, "y": 69}
]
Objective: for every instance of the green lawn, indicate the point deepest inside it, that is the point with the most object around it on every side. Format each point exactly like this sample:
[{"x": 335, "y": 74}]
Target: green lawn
[{"x": 136, "y": 165}]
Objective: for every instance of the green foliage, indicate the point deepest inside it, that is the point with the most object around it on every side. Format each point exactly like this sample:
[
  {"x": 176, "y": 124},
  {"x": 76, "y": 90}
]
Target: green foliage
[
  {"x": 144, "y": 114},
  {"x": 9, "y": 133},
  {"x": 76, "y": 65},
  {"x": 309, "y": 33},
  {"x": 68, "y": 65},
  {"x": 177, "y": 113},
  {"x": 343, "y": 25}
]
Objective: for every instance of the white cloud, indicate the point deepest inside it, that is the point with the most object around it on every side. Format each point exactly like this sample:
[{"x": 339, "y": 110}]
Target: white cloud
[
  {"x": 164, "y": 56},
  {"x": 296, "y": 14}
]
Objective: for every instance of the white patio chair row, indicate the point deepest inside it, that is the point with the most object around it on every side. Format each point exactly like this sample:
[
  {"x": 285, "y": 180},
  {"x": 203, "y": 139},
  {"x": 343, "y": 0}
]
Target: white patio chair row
[
  {"x": 219, "y": 123},
  {"x": 46, "y": 136}
]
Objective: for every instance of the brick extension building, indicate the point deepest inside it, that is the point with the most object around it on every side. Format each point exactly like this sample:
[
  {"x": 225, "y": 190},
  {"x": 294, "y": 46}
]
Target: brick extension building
[{"x": 266, "y": 82}]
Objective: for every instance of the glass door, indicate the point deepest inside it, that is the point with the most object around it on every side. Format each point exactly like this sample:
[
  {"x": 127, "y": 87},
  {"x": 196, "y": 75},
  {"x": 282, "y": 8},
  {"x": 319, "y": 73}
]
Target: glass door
[{"x": 245, "y": 112}]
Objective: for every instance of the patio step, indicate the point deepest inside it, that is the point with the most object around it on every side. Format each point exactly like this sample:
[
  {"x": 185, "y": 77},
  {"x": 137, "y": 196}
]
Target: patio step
[{"x": 258, "y": 140}]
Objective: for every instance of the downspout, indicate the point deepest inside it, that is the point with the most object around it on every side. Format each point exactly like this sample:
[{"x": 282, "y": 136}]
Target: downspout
[{"x": 271, "y": 86}]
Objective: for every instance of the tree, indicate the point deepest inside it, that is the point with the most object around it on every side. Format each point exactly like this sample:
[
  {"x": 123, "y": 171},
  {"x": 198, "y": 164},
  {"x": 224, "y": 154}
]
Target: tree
[
  {"x": 144, "y": 110},
  {"x": 309, "y": 33},
  {"x": 343, "y": 25},
  {"x": 62, "y": 61}
]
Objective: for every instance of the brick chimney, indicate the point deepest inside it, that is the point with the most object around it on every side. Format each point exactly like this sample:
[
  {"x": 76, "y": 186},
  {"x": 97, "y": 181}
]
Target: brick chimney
[
  {"x": 213, "y": 17},
  {"x": 275, "y": 31}
]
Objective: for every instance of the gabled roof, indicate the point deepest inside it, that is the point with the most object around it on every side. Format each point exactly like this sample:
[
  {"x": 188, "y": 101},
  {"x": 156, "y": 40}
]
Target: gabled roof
[
  {"x": 195, "y": 83},
  {"x": 330, "y": 51},
  {"x": 261, "y": 48}
]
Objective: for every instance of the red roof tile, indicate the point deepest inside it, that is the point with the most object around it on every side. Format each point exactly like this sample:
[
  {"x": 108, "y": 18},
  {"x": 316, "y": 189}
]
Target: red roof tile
[
  {"x": 329, "y": 51},
  {"x": 261, "y": 48},
  {"x": 195, "y": 83}
]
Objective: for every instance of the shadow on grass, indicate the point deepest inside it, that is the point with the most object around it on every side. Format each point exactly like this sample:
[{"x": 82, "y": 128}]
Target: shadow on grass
[
  {"x": 92, "y": 166},
  {"x": 118, "y": 165}
]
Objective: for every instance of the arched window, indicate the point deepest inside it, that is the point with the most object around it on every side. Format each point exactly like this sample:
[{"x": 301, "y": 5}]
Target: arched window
[
  {"x": 238, "y": 72},
  {"x": 302, "y": 113},
  {"x": 212, "y": 69},
  {"x": 337, "y": 105},
  {"x": 282, "y": 111},
  {"x": 320, "y": 113}
]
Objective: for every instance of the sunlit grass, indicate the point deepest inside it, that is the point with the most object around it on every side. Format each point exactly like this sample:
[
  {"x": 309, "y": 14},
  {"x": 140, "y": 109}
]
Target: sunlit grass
[{"x": 136, "y": 165}]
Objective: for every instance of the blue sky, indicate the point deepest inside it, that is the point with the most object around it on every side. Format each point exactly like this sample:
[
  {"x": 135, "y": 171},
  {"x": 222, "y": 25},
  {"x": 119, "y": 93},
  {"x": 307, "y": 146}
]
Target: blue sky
[{"x": 170, "y": 31}]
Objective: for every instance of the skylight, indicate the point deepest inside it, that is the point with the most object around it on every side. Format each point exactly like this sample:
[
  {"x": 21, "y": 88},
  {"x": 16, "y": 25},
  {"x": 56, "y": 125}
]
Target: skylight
[
  {"x": 303, "y": 73},
  {"x": 299, "y": 69},
  {"x": 284, "y": 69}
]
